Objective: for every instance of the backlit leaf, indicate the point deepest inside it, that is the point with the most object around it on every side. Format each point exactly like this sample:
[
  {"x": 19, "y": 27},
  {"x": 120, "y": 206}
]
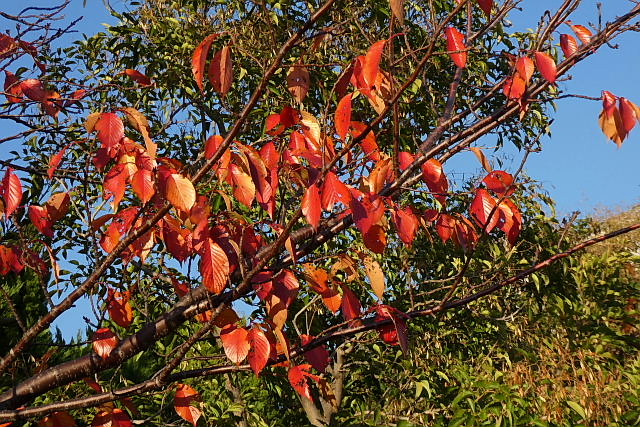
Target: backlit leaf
[
  {"x": 311, "y": 205},
  {"x": 376, "y": 276},
  {"x": 199, "y": 59},
  {"x": 119, "y": 307},
  {"x": 110, "y": 129},
  {"x": 484, "y": 210},
  {"x": 11, "y": 192},
  {"x": 260, "y": 349},
  {"x": 568, "y": 44},
  {"x": 137, "y": 77},
  {"x": 112, "y": 418},
  {"x": 180, "y": 192},
  {"x": 236, "y": 343},
  {"x": 58, "y": 419},
  {"x": 104, "y": 341},
  {"x": 182, "y": 402},
  {"x": 298, "y": 82},
  {"x": 455, "y": 44},
  {"x": 343, "y": 116},
  {"x": 547, "y": 66},
  {"x": 221, "y": 71},
  {"x": 214, "y": 267}
]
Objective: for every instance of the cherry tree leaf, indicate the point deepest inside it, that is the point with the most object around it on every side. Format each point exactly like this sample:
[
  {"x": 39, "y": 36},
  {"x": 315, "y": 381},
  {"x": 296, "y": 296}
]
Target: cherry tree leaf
[
  {"x": 351, "y": 307},
  {"x": 372, "y": 60},
  {"x": 568, "y": 44},
  {"x": 235, "y": 342},
  {"x": 58, "y": 419},
  {"x": 244, "y": 188},
  {"x": 33, "y": 89},
  {"x": 298, "y": 376},
  {"x": 57, "y": 206},
  {"x": 143, "y": 184},
  {"x": 583, "y": 33},
  {"x": 137, "y": 77},
  {"x": 486, "y": 6},
  {"x": 182, "y": 402},
  {"x": 104, "y": 342},
  {"x": 214, "y": 266},
  {"x": 484, "y": 210},
  {"x": 407, "y": 224},
  {"x": 376, "y": 276},
  {"x": 12, "y": 87},
  {"x": 199, "y": 59},
  {"x": 110, "y": 129},
  {"x": 112, "y": 418},
  {"x": 260, "y": 349},
  {"x": 455, "y": 44},
  {"x": 11, "y": 192},
  {"x": 311, "y": 205},
  {"x": 343, "y": 116},
  {"x": 180, "y": 192},
  {"x": 318, "y": 357},
  {"x": 525, "y": 68},
  {"x": 119, "y": 307},
  {"x": 333, "y": 191},
  {"x": 39, "y": 216},
  {"x": 221, "y": 71},
  {"x": 500, "y": 182},
  {"x": 547, "y": 66},
  {"x": 298, "y": 82}
]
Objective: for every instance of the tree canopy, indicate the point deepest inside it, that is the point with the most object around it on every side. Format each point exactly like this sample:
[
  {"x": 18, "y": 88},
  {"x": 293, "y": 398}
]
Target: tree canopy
[{"x": 253, "y": 199}]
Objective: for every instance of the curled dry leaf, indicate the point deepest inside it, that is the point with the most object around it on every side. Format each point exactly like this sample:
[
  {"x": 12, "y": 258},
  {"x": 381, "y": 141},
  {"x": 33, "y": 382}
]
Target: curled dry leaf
[{"x": 298, "y": 82}]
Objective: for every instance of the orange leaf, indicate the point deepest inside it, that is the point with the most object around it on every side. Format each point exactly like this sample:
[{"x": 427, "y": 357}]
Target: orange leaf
[
  {"x": 484, "y": 210},
  {"x": 104, "y": 341},
  {"x": 455, "y": 43},
  {"x": 244, "y": 188},
  {"x": 33, "y": 89},
  {"x": 260, "y": 349},
  {"x": 568, "y": 44},
  {"x": 298, "y": 378},
  {"x": 112, "y": 418},
  {"x": 57, "y": 206},
  {"x": 627, "y": 114},
  {"x": 137, "y": 77},
  {"x": 311, "y": 205},
  {"x": 333, "y": 191},
  {"x": 110, "y": 129},
  {"x": 583, "y": 33},
  {"x": 119, "y": 308},
  {"x": 199, "y": 59},
  {"x": 547, "y": 66},
  {"x": 407, "y": 224},
  {"x": 371, "y": 65},
  {"x": 525, "y": 67},
  {"x": 182, "y": 402},
  {"x": 500, "y": 182},
  {"x": 221, "y": 71},
  {"x": 58, "y": 419},
  {"x": 343, "y": 116},
  {"x": 11, "y": 192},
  {"x": 143, "y": 185},
  {"x": 214, "y": 267},
  {"x": 236, "y": 343},
  {"x": 180, "y": 192},
  {"x": 12, "y": 88},
  {"x": 515, "y": 87}
]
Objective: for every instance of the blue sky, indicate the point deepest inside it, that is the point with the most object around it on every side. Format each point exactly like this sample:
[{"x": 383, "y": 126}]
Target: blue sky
[{"x": 578, "y": 166}]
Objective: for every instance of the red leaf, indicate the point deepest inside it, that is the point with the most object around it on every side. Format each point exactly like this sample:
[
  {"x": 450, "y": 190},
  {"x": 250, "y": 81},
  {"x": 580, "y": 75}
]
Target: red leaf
[
  {"x": 343, "y": 116},
  {"x": 369, "y": 144},
  {"x": 333, "y": 191},
  {"x": 33, "y": 89},
  {"x": 318, "y": 357},
  {"x": 515, "y": 87},
  {"x": 405, "y": 160},
  {"x": 57, "y": 206},
  {"x": 627, "y": 114},
  {"x": 112, "y": 418},
  {"x": 525, "y": 68},
  {"x": 199, "y": 59},
  {"x": 40, "y": 218},
  {"x": 435, "y": 178},
  {"x": 371, "y": 65},
  {"x": 104, "y": 341},
  {"x": 311, "y": 205},
  {"x": 547, "y": 66},
  {"x": 486, "y": 6},
  {"x": 221, "y": 71},
  {"x": 455, "y": 43},
  {"x": 54, "y": 162},
  {"x": 58, "y": 419},
  {"x": 137, "y": 77},
  {"x": 214, "y": 267},
  {"x": 445, "y": 227},
  {"x": 236, "y": 343},
  {"x": 110, "y": 129},
  {"x": 298, "y": 378},
  {"x": 397, "y": 333},
  {"x": 500, "y": 182},
  {"x": 119, "y": 308},
  {"x": 407, "y": 224},
  {"x": 260, "y": 349},
  {"x": 182, "y": 402},
  {"x": 115, "y": 183},
  {"x": 351, "y": 307},
  {"x": 12, "y": 87},
  {"x": 568, "y": 44},
  {"x": 484, "y": 210},
  {"x": 376, "y": 239},
  {"x": 11, "y": 192}
]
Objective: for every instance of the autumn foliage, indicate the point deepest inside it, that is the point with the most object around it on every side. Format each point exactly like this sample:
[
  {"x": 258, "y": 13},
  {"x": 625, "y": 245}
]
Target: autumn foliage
[{"x": 293, "y": 203}]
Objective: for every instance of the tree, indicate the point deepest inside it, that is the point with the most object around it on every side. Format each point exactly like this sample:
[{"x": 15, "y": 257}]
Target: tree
[{"x": 208, "y": 188}]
